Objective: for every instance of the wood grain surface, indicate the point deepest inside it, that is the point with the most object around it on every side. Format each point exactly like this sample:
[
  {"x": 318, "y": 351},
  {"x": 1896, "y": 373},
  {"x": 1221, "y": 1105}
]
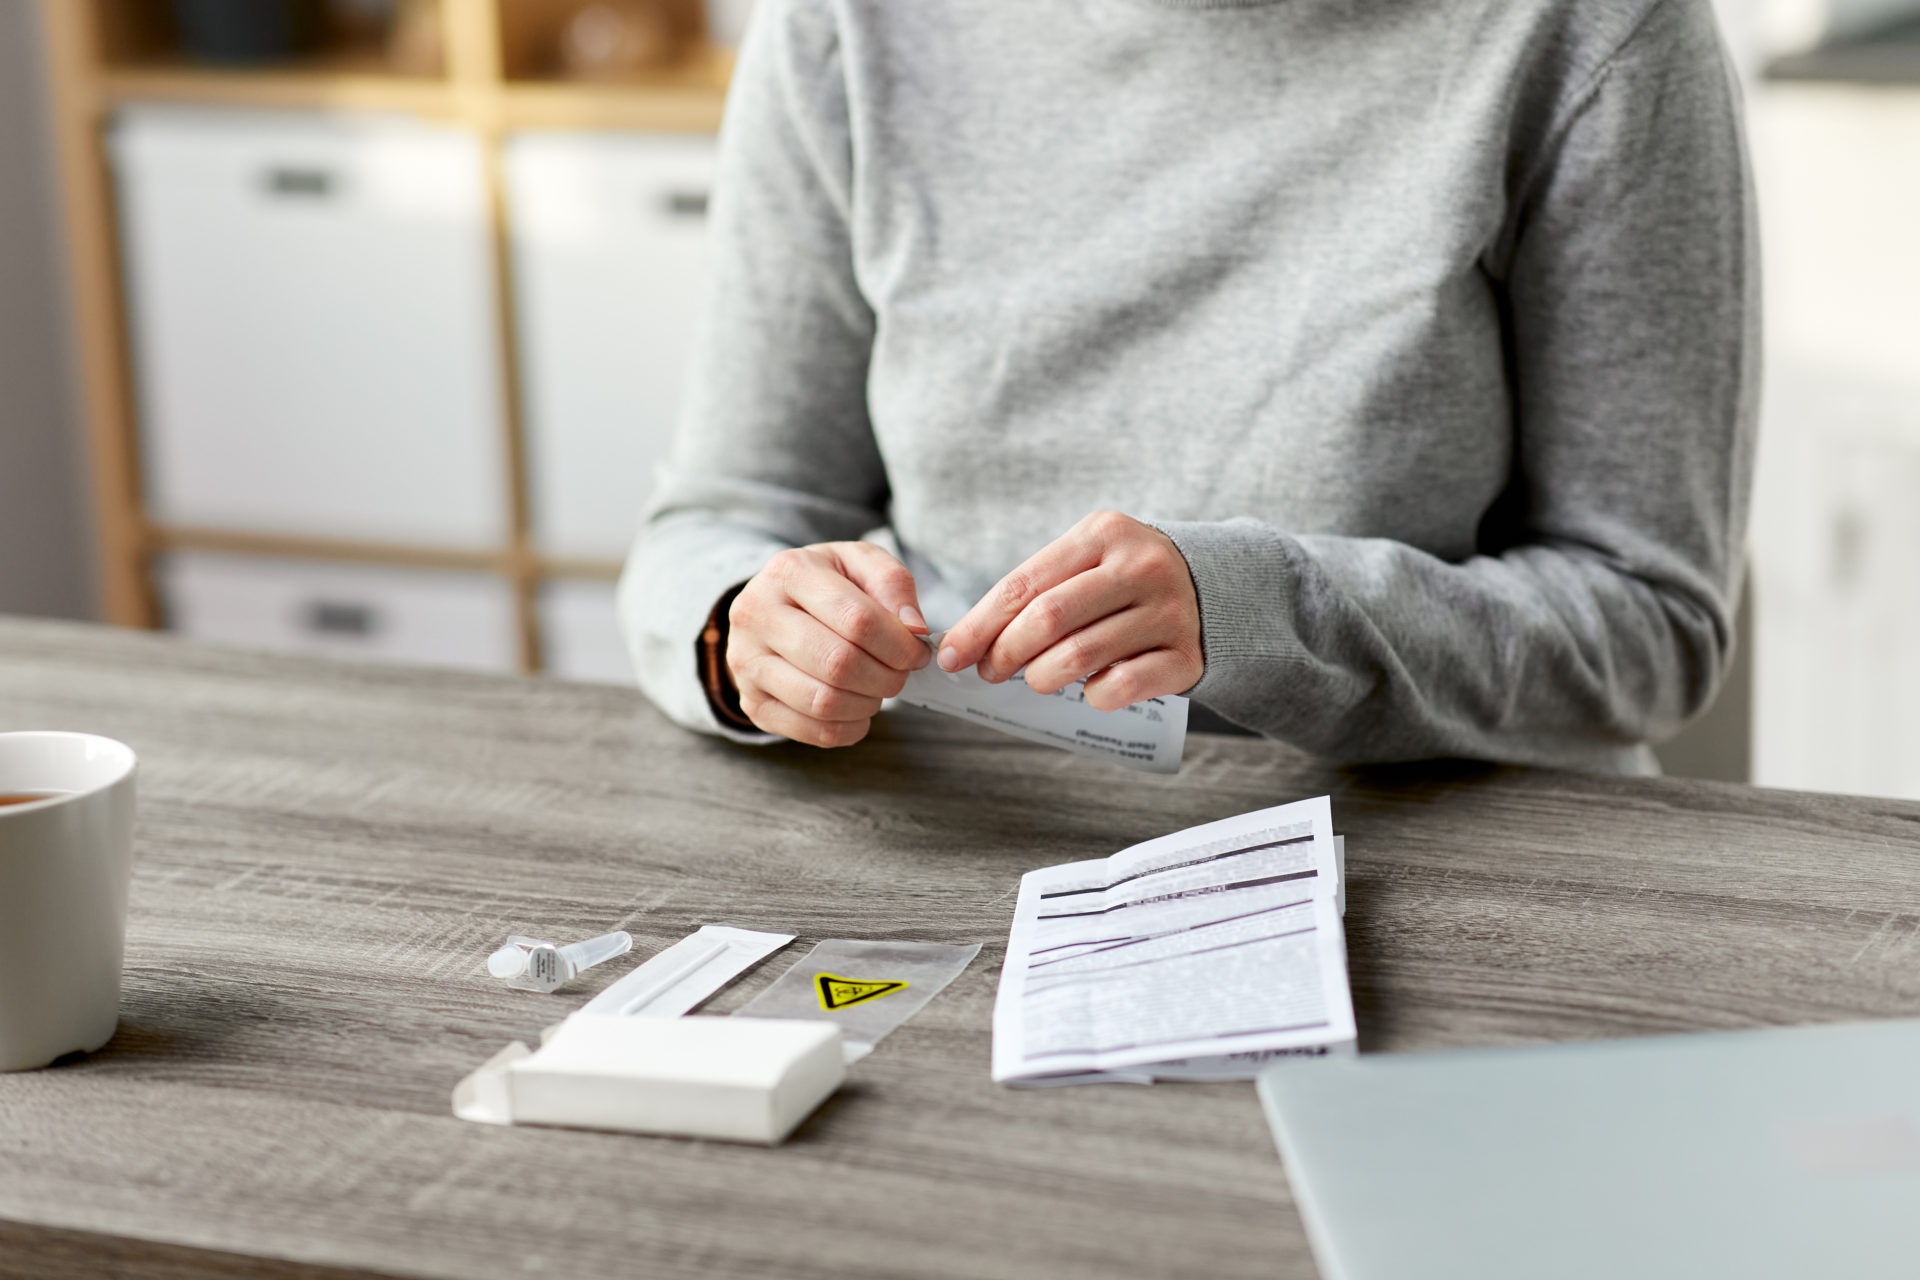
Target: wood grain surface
[{"x": 328, "y": 853}]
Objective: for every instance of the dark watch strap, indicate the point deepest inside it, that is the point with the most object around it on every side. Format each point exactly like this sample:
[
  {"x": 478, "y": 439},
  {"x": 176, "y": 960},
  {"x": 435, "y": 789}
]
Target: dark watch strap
[{"x": 710, "y": 651}]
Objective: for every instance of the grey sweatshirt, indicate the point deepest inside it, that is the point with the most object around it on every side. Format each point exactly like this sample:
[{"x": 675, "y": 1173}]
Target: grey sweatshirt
[{"x": 1427, "y": 330}]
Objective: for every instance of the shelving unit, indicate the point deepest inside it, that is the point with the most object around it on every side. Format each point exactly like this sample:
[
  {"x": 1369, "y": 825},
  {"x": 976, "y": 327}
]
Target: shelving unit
[
  {"x": 497, "y": 79},
  {"x": 1836, "y": 533}
]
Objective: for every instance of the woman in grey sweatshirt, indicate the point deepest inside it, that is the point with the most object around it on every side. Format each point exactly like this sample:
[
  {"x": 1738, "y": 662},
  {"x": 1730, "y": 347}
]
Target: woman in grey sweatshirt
[{"x": 1409, "y": 348}]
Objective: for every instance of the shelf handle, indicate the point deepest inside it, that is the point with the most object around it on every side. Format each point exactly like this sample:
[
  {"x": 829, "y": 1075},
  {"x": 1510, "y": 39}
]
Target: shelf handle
[
  {"x": 300, "y": 183},
  {"x": 340, "y": 618},
  {"x": 685, "y": 204}
]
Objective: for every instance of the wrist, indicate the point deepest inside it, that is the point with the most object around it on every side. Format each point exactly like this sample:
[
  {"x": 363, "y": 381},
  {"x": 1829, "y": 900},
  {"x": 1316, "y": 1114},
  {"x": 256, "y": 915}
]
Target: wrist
[
  {"x": 723, "y": 696},
  {"x": 1246, "y": 577}
]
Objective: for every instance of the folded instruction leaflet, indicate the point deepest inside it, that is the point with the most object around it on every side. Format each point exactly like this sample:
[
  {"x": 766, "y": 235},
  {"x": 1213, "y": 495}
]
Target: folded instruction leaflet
[{"x": 1198, "y": 955}]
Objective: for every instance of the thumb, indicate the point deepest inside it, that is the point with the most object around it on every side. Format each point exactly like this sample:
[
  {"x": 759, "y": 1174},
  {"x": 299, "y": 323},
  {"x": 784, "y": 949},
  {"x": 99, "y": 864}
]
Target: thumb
[{"x": 884, "y": 578}]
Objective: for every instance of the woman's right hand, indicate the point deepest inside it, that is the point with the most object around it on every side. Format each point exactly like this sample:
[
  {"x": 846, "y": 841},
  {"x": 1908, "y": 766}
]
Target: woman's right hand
[{"x": 817, "y": 638}]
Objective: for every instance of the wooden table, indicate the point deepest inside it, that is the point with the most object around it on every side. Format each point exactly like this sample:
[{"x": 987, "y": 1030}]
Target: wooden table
[{"x": 327, "y": 854}]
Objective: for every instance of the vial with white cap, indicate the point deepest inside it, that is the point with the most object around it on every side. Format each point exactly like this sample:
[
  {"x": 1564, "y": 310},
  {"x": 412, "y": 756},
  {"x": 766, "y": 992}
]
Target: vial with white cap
[{"x": 530, "y": 964}]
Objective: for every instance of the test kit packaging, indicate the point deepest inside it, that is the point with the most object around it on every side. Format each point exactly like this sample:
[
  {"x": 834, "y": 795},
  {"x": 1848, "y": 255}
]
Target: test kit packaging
[
  {"x": 740, "y": 1079},
  {"x": 1150, "y": 735},
  {"x": 679, "y": 978},
  {"x": 866, "y": 989}
]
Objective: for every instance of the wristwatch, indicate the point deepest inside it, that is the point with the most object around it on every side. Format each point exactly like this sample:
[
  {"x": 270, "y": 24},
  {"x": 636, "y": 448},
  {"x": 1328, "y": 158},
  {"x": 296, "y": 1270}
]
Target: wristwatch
[{"x": 710, "y": 651}]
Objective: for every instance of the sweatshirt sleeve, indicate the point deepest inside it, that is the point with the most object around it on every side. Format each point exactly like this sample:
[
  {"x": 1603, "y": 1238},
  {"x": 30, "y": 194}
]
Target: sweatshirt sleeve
[
  {"x": 1602, "y": 619},
  {"x": 773, "y": 448}
]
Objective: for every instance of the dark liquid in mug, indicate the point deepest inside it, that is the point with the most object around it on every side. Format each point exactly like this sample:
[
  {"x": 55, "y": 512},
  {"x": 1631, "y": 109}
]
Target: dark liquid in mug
[{"x": 28, "y": 797}]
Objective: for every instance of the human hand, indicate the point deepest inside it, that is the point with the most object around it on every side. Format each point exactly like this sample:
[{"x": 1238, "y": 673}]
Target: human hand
[
  {"x": 817, "y": 638},
  {"x": 1110, "y": 601}
]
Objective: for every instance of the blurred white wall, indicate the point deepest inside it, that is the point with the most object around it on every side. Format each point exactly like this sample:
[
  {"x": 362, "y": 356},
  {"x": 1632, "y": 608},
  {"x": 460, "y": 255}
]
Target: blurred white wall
[{"x": 45, "y": 556}]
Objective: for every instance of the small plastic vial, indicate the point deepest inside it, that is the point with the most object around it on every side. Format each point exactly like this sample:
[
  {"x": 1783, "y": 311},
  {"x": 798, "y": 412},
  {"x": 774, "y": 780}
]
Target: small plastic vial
[{"x": 531, "y": 964}]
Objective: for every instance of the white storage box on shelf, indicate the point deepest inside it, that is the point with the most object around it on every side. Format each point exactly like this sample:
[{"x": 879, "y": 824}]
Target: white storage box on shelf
[
  {"x": 1836, "y": 524},
  {"x": 313, "y": 325},
  {"x": 580, "y": 633},
  {"x": 609, "y": 261},
  {"x": 422, "y": 616}
]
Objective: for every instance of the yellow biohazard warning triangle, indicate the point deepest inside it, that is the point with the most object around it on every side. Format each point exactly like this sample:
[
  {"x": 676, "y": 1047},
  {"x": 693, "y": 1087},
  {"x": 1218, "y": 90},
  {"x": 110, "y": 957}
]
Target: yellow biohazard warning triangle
[{"x": 837, "y": 992}]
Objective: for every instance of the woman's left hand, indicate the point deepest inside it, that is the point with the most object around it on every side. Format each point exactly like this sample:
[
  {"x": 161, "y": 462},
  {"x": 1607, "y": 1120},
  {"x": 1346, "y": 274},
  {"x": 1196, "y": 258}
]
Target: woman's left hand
[{"x": 1111, "y": 601}]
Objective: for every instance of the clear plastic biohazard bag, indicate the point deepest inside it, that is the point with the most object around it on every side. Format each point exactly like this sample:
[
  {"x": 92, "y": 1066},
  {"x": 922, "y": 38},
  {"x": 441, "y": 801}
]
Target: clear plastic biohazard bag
[{"x": 868, "y": 988}]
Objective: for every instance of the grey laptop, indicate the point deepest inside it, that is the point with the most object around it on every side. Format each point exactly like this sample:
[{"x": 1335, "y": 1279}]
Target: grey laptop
[{"x": 1791, "y": 1152}]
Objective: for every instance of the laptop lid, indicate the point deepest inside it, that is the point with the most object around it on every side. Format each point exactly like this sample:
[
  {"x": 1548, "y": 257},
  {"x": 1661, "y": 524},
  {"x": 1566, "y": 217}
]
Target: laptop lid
[{"x": 1790, "y": 1152}]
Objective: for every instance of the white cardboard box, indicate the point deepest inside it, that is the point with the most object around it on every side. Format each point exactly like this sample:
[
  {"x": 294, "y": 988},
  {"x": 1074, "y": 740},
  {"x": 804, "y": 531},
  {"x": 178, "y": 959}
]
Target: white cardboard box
[{"x": 741, "y": 1079}]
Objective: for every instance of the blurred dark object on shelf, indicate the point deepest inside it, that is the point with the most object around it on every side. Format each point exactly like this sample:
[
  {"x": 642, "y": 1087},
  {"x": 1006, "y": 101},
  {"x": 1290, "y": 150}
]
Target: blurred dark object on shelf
[
  {"x": 359, "y": 24},
  {"x": 416, "y": 43},
  {"x": 1885, "y": 55},
  {"x": 615, "y": 39},
  {"x": 246, "y": 32}
]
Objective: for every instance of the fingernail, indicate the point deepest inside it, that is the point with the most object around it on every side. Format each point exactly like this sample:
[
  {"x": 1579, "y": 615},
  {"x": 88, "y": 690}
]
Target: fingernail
[
  {"x": 911, "y": 616},
  {"x": 949, "y": 659},
  {"x": 922, "y": 656}
]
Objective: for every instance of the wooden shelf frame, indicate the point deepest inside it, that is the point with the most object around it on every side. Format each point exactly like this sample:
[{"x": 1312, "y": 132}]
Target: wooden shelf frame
[
  {"x": 161, "y": 538},
  {"x": 297, "y": 89},
  {"x": 485, "y": 87}
]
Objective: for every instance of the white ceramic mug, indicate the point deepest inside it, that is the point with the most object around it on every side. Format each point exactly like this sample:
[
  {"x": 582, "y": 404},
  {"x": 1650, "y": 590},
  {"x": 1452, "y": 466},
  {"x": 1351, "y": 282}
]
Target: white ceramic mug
[{"x": 64, "y": 866}]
